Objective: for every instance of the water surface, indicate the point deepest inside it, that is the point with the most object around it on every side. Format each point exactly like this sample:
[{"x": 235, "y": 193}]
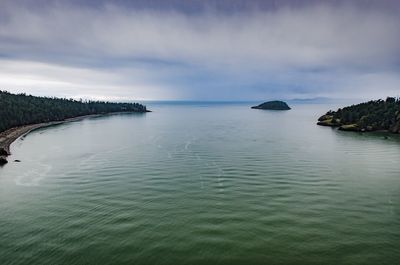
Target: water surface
[{"x": 201, "y": 184}]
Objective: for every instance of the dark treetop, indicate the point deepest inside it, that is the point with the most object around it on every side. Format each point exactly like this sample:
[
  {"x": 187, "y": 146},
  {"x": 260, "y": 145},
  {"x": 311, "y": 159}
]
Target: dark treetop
[
  {"x": 21, "y": 109},
  {"x": 273, "y": 105},
  {"x": 375, "y": 115}
]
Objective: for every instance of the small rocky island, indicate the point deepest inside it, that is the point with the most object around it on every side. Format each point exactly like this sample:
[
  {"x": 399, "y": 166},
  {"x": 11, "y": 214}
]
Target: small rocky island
[
  {"x": 375, "y": 115},
  {"x": 273, "y": 105}
]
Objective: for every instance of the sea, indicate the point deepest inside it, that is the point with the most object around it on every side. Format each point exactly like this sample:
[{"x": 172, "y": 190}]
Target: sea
[{"x": 202, "y": 183}]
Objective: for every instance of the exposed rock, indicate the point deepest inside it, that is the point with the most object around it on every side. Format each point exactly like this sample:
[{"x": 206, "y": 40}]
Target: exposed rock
[
  {"x": 325, "y": 117},
  {"x": 351, "y": 127},
  {"x": 3, "y": 160},
  {"x": 3, "y": 152},
  {"x": 328, "y": 122}
]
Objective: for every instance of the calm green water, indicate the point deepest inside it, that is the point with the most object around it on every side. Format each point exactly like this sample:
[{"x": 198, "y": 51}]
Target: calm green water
[{"x": 201, "y": 184}]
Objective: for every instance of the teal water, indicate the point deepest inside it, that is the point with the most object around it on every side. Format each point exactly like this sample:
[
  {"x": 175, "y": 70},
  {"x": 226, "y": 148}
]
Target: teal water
[{"x": 201, "y": 184}]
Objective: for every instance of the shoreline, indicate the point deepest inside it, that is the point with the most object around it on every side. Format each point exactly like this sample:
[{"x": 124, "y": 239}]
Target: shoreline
[
  {"x": 11, "y": 135},
  {"x": 351, "y": 128}
]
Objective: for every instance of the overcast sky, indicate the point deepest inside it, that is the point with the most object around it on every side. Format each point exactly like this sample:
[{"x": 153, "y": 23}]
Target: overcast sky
[{"x": 201, "y": 50}]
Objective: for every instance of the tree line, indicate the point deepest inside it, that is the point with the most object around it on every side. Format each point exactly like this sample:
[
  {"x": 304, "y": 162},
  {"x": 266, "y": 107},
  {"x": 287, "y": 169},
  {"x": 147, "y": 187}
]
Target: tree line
[{"x": 21, "y": 109}]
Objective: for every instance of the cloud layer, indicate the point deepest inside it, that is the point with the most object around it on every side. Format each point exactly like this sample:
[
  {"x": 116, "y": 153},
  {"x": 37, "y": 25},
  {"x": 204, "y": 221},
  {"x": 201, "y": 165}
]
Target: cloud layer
[{"x": 117, "y": 51}]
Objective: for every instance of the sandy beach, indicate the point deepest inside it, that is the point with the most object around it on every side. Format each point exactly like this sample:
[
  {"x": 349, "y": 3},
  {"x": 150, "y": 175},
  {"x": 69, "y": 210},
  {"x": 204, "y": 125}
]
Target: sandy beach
[{"x": 9, "y": 136}]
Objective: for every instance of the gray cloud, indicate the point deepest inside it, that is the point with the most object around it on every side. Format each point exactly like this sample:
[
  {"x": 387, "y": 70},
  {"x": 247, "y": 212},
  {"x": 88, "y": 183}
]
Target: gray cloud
[{"x": 340, "y": 50}]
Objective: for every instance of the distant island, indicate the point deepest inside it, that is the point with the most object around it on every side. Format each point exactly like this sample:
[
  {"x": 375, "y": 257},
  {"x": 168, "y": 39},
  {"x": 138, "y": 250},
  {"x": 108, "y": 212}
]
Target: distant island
[
  {"x": 375, "y": 115},
  {"x": 273, "y": 105},
  {"x": 21, "y": 113}
]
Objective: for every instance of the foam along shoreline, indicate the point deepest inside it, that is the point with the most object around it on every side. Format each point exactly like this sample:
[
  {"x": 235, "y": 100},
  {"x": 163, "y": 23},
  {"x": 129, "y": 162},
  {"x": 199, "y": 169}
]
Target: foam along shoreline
[{"x": 9, "y": 136}]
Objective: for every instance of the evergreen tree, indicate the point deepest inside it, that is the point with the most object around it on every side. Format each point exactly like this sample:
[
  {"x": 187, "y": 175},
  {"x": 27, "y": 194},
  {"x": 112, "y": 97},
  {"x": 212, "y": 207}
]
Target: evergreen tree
[{"x": 22, "y": 109}]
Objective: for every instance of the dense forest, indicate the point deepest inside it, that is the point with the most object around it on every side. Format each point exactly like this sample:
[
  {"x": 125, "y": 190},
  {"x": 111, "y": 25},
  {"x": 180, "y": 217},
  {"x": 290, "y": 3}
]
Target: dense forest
[
  {"x": 369, "y": 116},
  {"x": 22, "y": 109}
]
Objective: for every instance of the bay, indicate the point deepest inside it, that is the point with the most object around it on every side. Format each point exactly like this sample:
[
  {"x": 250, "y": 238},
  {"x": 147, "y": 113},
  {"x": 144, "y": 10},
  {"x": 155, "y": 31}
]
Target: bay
[{"x": 201, "y": 183}]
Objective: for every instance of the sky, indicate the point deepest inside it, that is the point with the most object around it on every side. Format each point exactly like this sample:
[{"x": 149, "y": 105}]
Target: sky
[{"x": 201, "y": 50}]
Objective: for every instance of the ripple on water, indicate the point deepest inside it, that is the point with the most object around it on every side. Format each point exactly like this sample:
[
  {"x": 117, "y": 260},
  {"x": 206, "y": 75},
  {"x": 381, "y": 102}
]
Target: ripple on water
[{"x": 220, "y": 187}]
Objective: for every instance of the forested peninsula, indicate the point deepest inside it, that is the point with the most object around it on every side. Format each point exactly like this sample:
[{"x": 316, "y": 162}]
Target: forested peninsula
[
  {"x": 21, "y": 113},
  {"x": 374, "y": 115}
]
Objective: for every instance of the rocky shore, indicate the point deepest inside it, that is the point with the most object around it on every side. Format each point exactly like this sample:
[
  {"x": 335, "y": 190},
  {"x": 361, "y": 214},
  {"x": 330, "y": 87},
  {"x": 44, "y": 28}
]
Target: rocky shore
[
  {"x": 9, "y": 136},
  {"x": 372, "y": 116}
]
